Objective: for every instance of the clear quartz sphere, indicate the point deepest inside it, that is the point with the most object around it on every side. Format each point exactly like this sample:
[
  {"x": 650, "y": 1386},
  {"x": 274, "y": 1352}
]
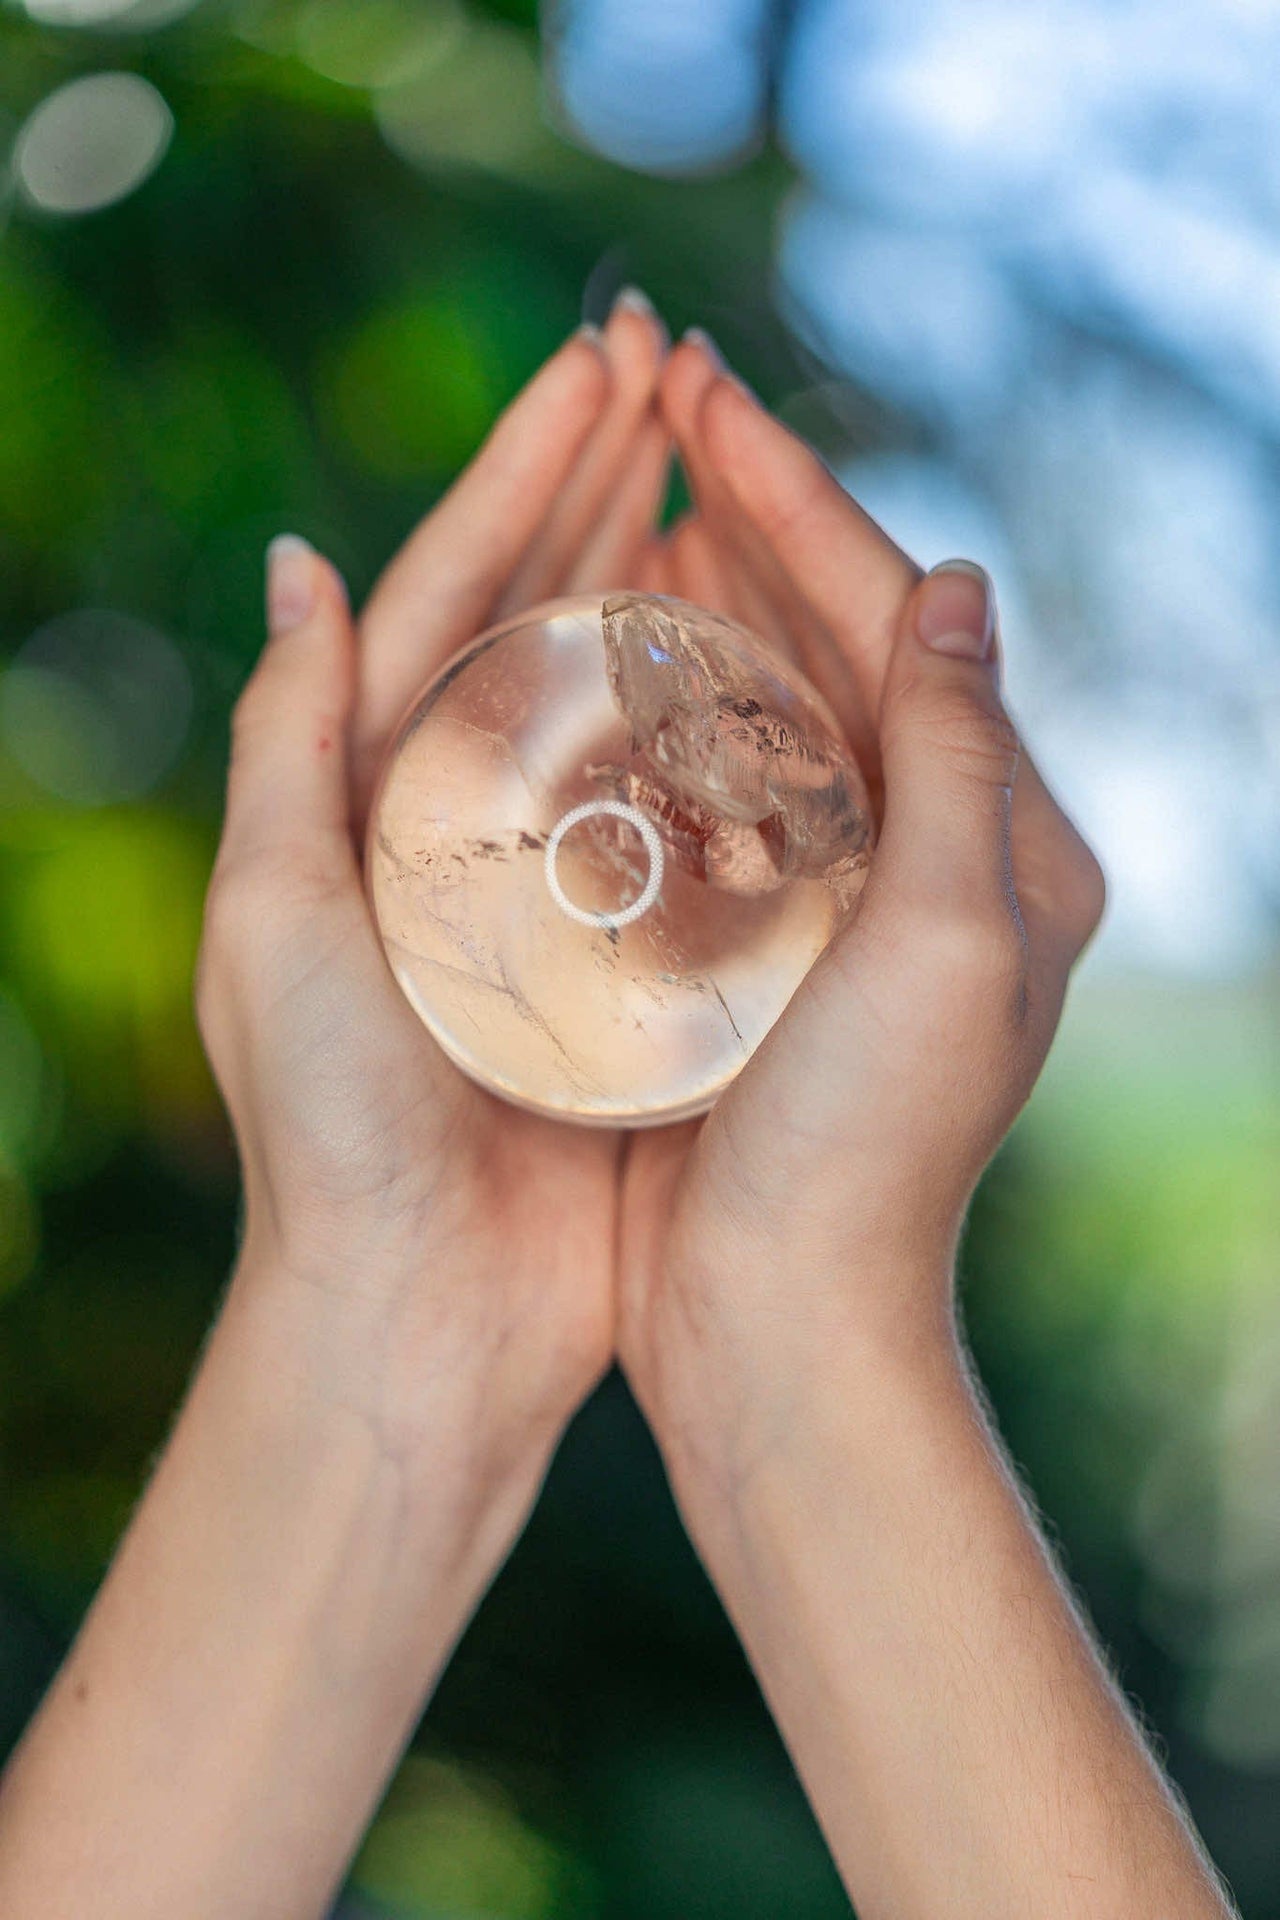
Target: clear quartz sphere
[{"x": 609, "y": 841}]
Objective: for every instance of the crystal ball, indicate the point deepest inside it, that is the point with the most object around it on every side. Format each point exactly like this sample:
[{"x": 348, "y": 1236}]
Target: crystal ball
[{"x": 607, "y": 844}]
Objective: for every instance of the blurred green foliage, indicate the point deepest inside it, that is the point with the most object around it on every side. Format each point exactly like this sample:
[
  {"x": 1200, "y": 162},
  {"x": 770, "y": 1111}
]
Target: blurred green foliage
[{"x": 362, "y": 239}]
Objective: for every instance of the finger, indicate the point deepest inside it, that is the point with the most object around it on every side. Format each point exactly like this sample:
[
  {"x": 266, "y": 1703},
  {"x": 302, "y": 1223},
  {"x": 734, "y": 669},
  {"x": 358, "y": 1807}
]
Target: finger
[
  {"x": 1056, "y": 881},
  {"x": 764, "y": 595},
  {"x": 703, "y": 572},
  {"x": 688, "y": 377},
  {"x": 698, "y": 569},
  {"x": 635, "y": 342},
  {"x": 973, "y": 840},
  {"x": 287, "y": 855},
  {"x": 858, "y": 581},
  {"x": 950, "y": 757},
  {"x": 936, "y": 938},
  {"x": 653, "y": 570},
  {"x": 287, "y": 790},
  {"x": 847, "y": 569},
  {"x": 610, "y": 554},
  {"x": 441, "y": 588}
]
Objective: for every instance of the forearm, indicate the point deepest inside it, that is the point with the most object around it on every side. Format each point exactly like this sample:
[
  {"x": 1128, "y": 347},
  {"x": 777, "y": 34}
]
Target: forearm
[
  {"x": 259, "y": 1652},
  {"x": 963, "y": 1746}
]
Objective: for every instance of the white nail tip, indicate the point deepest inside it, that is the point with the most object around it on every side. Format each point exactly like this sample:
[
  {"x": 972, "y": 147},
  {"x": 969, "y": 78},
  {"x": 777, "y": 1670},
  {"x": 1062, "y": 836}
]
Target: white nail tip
[{"x": 634, "y": 300}]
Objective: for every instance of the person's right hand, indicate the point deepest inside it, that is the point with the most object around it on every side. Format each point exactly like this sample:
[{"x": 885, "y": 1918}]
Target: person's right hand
[
  {"x": 424, "y": 1292},
  {"x": 447, "y": 1256},
  {"x": 813, "y": 1217}
]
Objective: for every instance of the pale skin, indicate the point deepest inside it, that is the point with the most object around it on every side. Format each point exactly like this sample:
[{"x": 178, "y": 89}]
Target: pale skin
[{"x": 431, "y": 1281}]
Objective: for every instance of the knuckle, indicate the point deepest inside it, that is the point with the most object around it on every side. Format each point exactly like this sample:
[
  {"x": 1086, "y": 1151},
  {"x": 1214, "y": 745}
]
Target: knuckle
[
  {"x": 966, "y": 975},
  {"x": 246, "y": 899},
  {"x": 980, "y": 944},
  {"x": 1066, "y": 883},
  {"x": 1085, "y": 889},
  {"x": 224, "y": 915},
  {"x": 233, "y": 908},
  {"x": 981, "y": 956},
  {"x": 261, "y": 895},
  {"x": 258, "y": 904},
  {"x": 205, "y": 990}
]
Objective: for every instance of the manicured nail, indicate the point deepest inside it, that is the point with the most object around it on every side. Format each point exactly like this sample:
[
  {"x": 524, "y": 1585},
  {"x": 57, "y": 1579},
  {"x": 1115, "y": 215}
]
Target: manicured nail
[
  {"x": 589, "y": 331},
  {"x": 700, "y": 338},
  {"x": 956, "y": 611},
  {"x": 291, "y": 582},
  {"x": 634, "y": 300}
]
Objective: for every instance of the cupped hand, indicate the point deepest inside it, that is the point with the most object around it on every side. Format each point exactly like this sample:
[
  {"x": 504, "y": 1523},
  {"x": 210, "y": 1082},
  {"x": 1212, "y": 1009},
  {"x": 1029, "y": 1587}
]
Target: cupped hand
[
  {"x": 817, "y": 1208},
  {"x": 446, "y": 1241},
  {"x": 823, "y": 1197}
]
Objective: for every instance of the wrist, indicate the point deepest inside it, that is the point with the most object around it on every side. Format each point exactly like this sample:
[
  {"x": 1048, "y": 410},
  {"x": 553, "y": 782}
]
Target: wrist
[
  {"x": 871, "y": 1459},
  {"x": 336, "y": 1364},
  {"x": 854, "y": 1357},
  {"x": 282, "y": 1602}
]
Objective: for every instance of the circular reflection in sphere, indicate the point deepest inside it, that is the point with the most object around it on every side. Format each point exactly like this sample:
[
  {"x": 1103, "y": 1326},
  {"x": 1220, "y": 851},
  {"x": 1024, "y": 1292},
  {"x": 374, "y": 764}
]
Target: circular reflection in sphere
[
  {"x": 95, "y": 707},
  {"x": 91, "y": 143},
  {"x": 608, "y": 843}
]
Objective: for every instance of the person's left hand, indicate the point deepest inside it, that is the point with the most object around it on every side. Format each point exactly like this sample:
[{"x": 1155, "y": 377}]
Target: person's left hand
[{"x": 811, "y": 1220}]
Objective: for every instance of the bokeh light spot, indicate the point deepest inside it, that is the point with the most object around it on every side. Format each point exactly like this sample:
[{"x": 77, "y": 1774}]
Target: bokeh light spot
[
  {"x": 479, "y": 107},
  {"x": 91, "y": 143},
  {"x": 106, "y": 930},
  {"x": 132, "y": 16},
  {"x": 95, "y": 707},
  {"x": 667, "y": 88},
  {"x": 447, "y": 1842},
  {"x": 77, "y": 13},
  {"x": 375, "y": 43},
  {"x": 416, "y": 386}
]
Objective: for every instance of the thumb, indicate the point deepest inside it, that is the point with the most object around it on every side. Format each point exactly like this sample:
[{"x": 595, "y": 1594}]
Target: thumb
[
  {"x": 287, "y": 787},
  {"x": 949, "y": 753}
]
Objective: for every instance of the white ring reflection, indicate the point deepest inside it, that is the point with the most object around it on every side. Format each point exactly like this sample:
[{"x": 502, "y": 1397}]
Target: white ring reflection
[{"x": 617, "y": 810}]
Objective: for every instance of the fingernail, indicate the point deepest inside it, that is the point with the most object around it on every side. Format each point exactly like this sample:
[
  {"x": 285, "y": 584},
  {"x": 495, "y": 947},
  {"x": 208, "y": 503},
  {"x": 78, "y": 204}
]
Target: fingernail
[
  {"x": 634, "y": 300},
  {"x": 589, "y": 331},
  {"x": 956, "y": 611},
  {"x": 291, "y": 582},
  {"x": 700, "y": 338}
]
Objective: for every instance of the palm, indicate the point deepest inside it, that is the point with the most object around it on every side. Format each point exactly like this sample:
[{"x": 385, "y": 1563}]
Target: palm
[
  {"x": 548, "y": 1195},
  {"x": 388, "y": 1127},
  {"x": 679, "y": 1182},
  {"x": 561, "y": 499},
  {"x": 775, "y": 543}
]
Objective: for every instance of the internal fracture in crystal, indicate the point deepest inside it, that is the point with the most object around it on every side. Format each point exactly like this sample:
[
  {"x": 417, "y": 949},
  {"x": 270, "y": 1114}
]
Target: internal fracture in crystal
[{"x": 750, "y": 776}]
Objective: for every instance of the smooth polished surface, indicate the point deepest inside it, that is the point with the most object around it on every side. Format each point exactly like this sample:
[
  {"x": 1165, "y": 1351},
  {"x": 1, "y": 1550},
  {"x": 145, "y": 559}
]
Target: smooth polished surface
[{"x": 609, "y": 842}]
